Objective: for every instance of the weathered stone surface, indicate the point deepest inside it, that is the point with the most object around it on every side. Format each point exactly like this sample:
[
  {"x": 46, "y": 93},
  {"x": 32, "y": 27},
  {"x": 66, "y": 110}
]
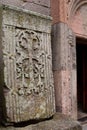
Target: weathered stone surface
[
  {"x": 40, "y": 6},
  {"x": 28, "y": 80},
  {"x": 64, "y": 66},
  {"x": 59, "y": 122}
]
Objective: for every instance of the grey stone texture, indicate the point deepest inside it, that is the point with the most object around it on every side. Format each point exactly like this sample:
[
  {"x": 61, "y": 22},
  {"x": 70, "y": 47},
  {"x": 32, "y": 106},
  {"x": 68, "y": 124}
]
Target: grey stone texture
[
  {"x": 59, "y": 122},
  {"x": 64, "y": 67},
  {"x": 27, "y": 79},
  {"x": 40, "y": 6}
]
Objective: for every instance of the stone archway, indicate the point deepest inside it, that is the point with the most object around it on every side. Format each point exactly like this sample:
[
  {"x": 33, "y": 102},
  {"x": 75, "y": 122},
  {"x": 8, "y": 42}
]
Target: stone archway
[
  {"x": 73, "y": 6},
  {"x": 78, "y": 23}
]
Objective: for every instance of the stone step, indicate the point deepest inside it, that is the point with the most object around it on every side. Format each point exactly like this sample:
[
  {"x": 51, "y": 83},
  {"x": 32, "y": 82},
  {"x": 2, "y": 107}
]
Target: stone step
[{"x": 59, "y": 122}]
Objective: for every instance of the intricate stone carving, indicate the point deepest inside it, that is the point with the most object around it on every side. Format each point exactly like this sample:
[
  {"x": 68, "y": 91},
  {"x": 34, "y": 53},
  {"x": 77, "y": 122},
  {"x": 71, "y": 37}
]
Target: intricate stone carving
[
  {"x": 71, "y": 40},
  {"x": 28, "y": 79},
  {"x": 23, "y": 62},
  {"x": 27, "y": 61},
  {"x": 30, "y": 63},
  {"x": 38, "y": 65}
]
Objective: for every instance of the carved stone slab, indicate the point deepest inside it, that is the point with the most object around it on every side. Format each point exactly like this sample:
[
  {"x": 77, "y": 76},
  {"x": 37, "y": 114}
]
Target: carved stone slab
[{"x": 28, "y": 79}]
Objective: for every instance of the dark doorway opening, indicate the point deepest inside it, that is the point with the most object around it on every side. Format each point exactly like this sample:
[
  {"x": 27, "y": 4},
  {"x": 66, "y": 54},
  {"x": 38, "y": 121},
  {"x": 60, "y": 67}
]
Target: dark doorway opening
[{"x": 81, "y": 49}]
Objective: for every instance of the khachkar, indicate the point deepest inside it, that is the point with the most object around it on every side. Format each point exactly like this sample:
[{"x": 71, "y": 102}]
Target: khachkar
[{"x": 27, "y": 79}]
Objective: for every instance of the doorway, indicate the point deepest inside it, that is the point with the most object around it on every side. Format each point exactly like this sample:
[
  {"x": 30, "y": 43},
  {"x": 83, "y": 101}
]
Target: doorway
[{"x": 81, "y": 49}]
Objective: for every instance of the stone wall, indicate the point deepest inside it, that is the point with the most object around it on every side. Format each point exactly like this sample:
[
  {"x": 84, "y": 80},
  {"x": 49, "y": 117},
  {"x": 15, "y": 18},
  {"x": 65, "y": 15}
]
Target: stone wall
[
  {"x": 64, "y": 59},
  {"x": 40, "y": 6},
  {"x": 67, "y": 15}
]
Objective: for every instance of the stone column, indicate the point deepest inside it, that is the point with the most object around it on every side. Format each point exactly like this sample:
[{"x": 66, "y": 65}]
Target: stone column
[
  {"x": 27, "y": 78},
  {"x": 64, "y": 66}
]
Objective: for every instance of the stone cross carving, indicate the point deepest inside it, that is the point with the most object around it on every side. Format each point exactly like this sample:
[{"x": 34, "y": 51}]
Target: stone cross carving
[{"x": 28, "y": 79}]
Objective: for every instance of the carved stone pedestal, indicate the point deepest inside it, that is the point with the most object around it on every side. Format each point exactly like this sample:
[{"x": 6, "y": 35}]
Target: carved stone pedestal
[{"x": 25, "y": 65}]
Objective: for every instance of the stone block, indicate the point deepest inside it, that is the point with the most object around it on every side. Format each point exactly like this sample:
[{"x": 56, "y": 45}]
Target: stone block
[{"x": 26, "y": 65}]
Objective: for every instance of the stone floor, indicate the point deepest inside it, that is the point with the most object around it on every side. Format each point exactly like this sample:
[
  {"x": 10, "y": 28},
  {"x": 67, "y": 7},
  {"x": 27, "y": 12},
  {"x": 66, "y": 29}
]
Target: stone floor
[
  {"x": 59, "y": 122},
  {"x": 84, "y": 127}
]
